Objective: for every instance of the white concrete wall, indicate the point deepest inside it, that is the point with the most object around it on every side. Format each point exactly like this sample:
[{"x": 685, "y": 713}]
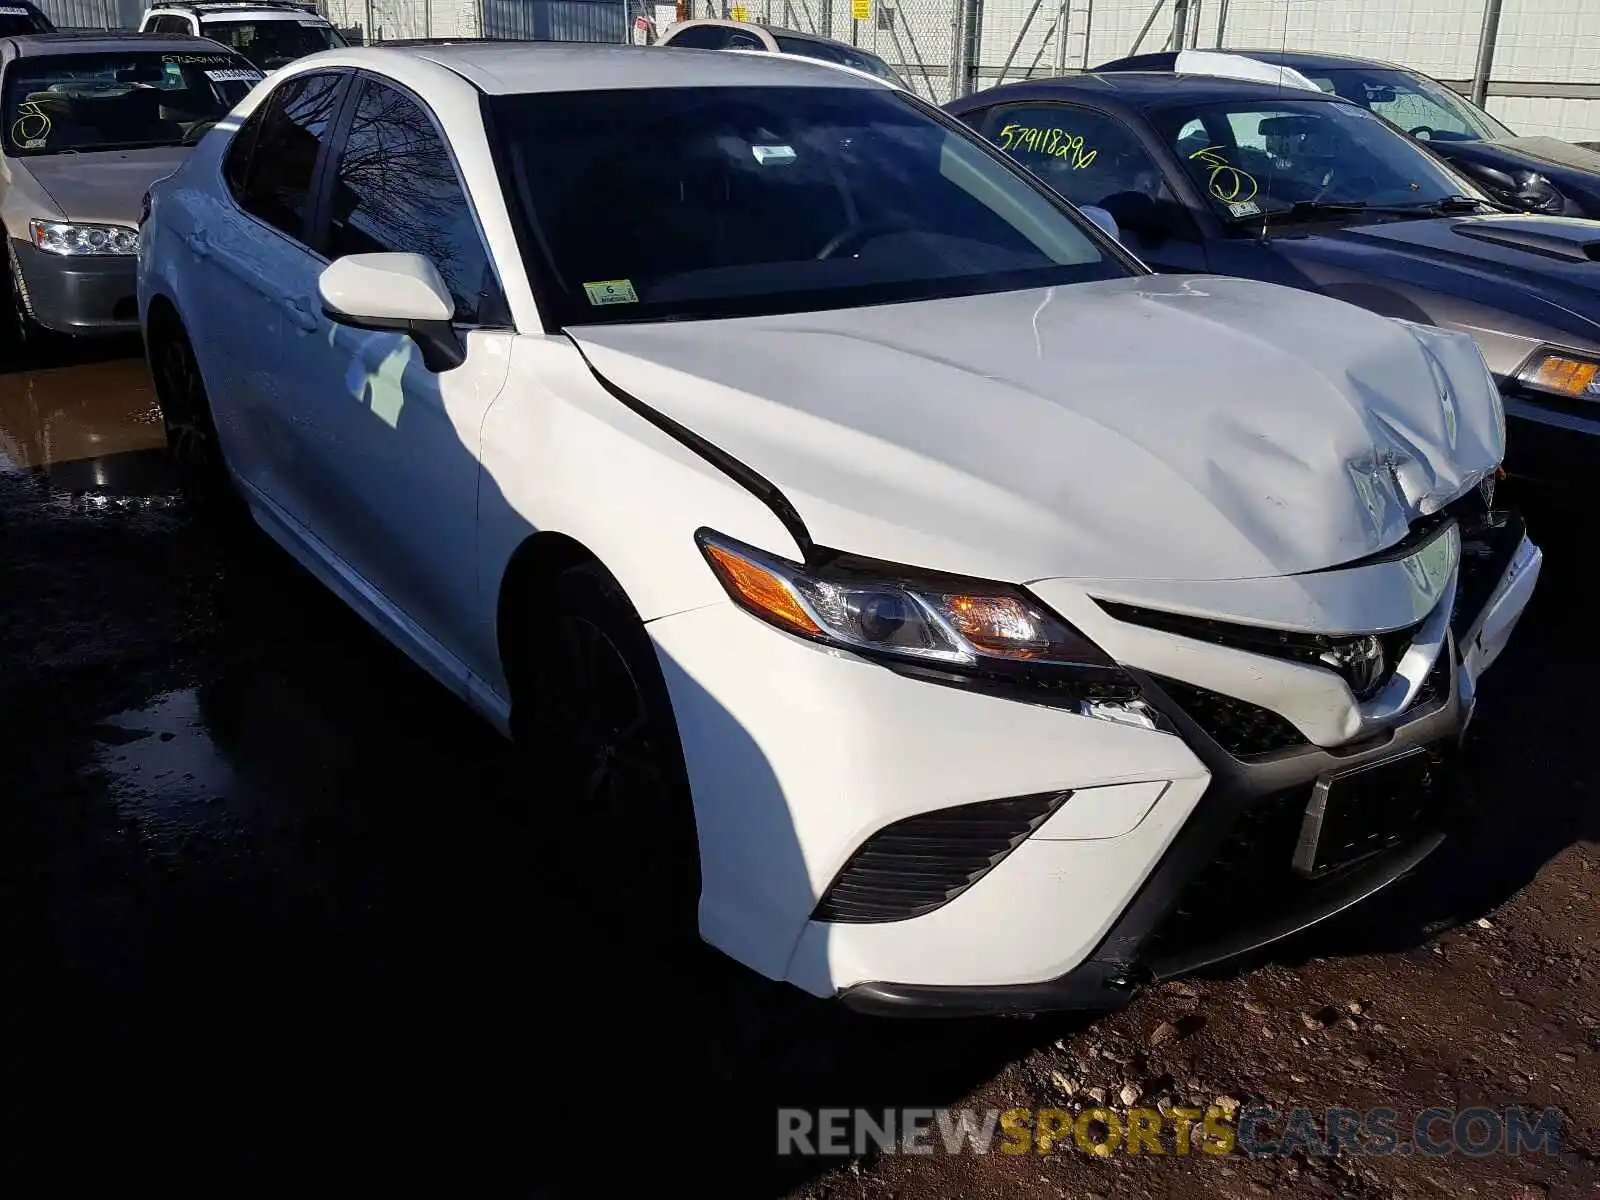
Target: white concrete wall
[{"x": 407, "y": 18}]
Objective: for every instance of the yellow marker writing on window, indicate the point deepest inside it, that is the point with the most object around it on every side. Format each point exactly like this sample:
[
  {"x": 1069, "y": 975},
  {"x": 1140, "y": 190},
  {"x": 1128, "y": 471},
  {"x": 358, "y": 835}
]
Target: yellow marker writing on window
[
  {"x": 1055, "y": 143},
  {"x": 1226, "y": 181}
]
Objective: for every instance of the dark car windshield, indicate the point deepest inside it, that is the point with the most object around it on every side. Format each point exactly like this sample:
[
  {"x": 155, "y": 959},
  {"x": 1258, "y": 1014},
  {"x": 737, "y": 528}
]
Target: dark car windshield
[
  {"x": 56, "y": 104},
  {"x": 1255, "y": 157},
  {"x": 1415, "y": 103},
  {"x": 698, "y": 202},
  {"x": 17, "y": 19},
  {"x": 847, "y": 56},
  {"x": 277, "y": 43}
]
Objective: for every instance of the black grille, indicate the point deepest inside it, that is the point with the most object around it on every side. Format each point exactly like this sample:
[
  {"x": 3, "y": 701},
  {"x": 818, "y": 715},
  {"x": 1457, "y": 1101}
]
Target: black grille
[
  {"x": 1313, "y": 649},
  {"x": 916, "y": 865},
  {"x": 1252, "y": 876},
  {"x": 1487, "y": 549},
  {"x": 1243, "y": 729}
]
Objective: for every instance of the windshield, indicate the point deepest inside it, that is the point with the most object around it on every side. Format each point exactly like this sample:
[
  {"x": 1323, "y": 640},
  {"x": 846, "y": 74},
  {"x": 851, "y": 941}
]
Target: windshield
[
  {"x": 847, "y": 56},
  {"x": 1258, "y": 158},
  {"x": 749, "y": 200},
  {"x": 276, "y": 43},
  {"x": 1414, "y": 103},
  {"x": 57, "y": 104},
  {"x": 14, "y": 19}
]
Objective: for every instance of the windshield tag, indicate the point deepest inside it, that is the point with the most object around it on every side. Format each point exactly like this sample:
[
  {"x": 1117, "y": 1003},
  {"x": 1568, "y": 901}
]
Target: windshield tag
[
  {"x": 1245, "y": 208},
  {"x": 33, "y": 143},
  {"x": 312, "y": 23},
  {"x": 15, "y": 12},
  {"x": 775, "y": 156},
  {"x": 611, "y": 291},
  {"x": 233, "y": 76}
]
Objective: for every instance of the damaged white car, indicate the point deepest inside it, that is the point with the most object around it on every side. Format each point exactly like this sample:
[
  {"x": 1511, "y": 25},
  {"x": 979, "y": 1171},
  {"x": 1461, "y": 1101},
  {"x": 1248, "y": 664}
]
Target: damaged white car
[{"x": 914, "y": 596}]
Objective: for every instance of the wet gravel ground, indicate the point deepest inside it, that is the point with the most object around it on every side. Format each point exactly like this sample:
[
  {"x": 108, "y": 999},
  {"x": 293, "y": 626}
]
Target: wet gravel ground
[{"x": 277, "y": 912}]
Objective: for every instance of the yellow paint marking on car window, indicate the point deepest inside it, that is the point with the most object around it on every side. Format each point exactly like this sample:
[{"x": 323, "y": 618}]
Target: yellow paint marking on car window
[
  {"x": 1052, "y": 142},
  {"x": 1226, "y": 181}
]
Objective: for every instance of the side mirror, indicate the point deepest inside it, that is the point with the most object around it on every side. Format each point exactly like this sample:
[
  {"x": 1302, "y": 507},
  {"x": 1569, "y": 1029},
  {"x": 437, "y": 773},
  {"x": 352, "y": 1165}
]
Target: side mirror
[
  {"x": 402, "y": 293},
  {"x": 1106, "y": 222}
]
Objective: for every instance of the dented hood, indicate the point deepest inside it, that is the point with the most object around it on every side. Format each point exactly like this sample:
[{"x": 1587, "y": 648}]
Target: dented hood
[{"x": 1157, "y": 427}]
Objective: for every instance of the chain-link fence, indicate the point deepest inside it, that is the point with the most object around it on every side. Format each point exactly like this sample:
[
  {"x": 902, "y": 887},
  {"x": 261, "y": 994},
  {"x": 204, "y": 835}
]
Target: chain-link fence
[{"x": 1540, "y": 74}]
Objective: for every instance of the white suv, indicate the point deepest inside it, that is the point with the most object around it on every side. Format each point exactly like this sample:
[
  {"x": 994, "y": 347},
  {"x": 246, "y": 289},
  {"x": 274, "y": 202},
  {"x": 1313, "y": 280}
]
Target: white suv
[{"x": 271, "y": 34}]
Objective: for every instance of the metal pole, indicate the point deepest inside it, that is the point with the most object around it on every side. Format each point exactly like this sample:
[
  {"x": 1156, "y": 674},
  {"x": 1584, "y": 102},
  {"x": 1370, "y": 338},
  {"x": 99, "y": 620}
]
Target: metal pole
[
  {"x": 1222, "y": 20},
  {"x": 958, "y": 25},
  {"x": 1491, "y": 30},
  {"x": 1061, "y": 37},
  {"x": 974, "y": 40},
  {"x": 1180, "y": 13},
  {"x": 1148, "y": 22},
  {"x": 825, "y": 18},
  {"x": 1088, "y": 28},
  {"x": 1194, "y": 26},
  {"x": 366, "y": 30}
]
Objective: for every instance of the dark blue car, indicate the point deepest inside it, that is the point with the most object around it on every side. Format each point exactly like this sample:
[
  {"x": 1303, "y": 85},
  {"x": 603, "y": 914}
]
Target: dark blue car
[
  {"x": 1538, "y": 174},
  {"x": 1299, "y": 187}
]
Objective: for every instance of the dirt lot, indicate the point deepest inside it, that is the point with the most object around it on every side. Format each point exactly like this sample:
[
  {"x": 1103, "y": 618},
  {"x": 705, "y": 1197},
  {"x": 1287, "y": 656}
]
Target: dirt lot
[{"x": 275, "y": 914}]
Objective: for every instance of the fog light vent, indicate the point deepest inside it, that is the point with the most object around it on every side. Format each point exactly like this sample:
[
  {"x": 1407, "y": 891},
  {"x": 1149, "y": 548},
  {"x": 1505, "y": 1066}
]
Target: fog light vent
[{"x": 916, "y": 865}]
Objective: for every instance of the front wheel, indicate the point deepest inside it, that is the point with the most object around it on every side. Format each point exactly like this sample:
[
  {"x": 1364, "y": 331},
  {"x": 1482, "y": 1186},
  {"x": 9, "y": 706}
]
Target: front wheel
[
  {"x": 596, "y": 733},
  {"x": 187, "y": 419}
]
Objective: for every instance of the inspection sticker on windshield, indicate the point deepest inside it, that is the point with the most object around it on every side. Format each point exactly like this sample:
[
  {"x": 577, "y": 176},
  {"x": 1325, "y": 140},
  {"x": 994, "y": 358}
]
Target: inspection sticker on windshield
[
  {"x": 233, "y": 76},
  {"x": 773, "y": 156},
  {"x": 14, "y": 12},
  {"x": 611, "y": 291},
  {"x": 1245, "y": 208}
]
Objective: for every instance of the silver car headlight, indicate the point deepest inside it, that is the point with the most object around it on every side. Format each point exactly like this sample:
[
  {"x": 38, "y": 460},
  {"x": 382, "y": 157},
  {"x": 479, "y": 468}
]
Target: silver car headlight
[{"x": 72, "y": 237}]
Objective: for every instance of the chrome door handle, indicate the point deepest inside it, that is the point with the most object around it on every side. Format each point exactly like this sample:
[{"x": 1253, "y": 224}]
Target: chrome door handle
[{"x": 197, "y": 243}]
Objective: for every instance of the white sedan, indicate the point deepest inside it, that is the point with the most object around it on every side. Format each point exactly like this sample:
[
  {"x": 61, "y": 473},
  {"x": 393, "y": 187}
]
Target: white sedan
[{"x": 895, "y": 582}]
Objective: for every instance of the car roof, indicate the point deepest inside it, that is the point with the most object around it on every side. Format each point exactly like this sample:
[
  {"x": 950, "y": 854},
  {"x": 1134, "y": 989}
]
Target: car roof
[
  {"x": 40, "y": 45},
  {"x": 1300, "y": 60},
  {"x": 1143, "y": 89},
  {"x": 235, "y": 7},
  {"x": 508, "y": 68},
  {"x": 772, "y": 29}
]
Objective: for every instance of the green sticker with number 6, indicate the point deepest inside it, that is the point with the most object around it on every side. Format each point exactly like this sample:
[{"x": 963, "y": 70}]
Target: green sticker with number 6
[{"x": 611, "y": 291}]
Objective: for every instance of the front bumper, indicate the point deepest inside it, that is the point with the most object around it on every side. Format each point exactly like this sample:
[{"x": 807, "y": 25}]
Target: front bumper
[
  {"x": 1170, "y": 853},
  {"x": 79, "y": 294},
  {"x": 1551, "y": 445}
]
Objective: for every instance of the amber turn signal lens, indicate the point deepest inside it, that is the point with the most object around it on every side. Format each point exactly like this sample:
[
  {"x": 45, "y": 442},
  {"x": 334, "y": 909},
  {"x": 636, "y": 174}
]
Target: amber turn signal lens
[
  {"x": 1566, "y": 377},
  {"x": 760, "y": 590}
]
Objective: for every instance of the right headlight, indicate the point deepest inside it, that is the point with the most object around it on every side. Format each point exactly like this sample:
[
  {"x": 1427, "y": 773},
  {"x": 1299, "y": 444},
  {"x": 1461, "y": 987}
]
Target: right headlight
[
  {"x": 72, "y": 237},
  {"x": 939, "y": 627},
  {"x": 1557, "y": 373}
]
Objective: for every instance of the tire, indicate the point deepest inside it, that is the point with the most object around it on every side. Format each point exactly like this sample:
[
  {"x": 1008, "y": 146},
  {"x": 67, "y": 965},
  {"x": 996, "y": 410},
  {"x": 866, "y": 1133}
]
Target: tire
[
  {"x": 22, "y": 327},
  {"x": 190, "y": 427},
  {"x": 596, "y": 736}
]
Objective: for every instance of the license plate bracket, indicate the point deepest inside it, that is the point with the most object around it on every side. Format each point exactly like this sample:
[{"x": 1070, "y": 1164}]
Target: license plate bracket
[{"x": 1357, "y": 813}]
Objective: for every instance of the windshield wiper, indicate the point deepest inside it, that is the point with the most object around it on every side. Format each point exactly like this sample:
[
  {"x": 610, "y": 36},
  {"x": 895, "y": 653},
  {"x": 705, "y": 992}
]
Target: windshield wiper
[{"x": 1306, "y": 209}]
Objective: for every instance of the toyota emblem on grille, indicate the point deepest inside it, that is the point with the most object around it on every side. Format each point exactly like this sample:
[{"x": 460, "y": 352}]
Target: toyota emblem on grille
[{"x": 1360, "y": 661}]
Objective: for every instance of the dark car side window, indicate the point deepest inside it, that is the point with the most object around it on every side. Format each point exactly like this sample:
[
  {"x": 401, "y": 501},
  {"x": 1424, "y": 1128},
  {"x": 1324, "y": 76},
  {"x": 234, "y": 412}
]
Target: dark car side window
[
  {"x": 1091, "y": 158},
  {"x": 396, "y": 189},
  {"x": 170, "y": 25},
  {"x": 270, "y": 167},
  {"x": 701, "y": 37}
]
